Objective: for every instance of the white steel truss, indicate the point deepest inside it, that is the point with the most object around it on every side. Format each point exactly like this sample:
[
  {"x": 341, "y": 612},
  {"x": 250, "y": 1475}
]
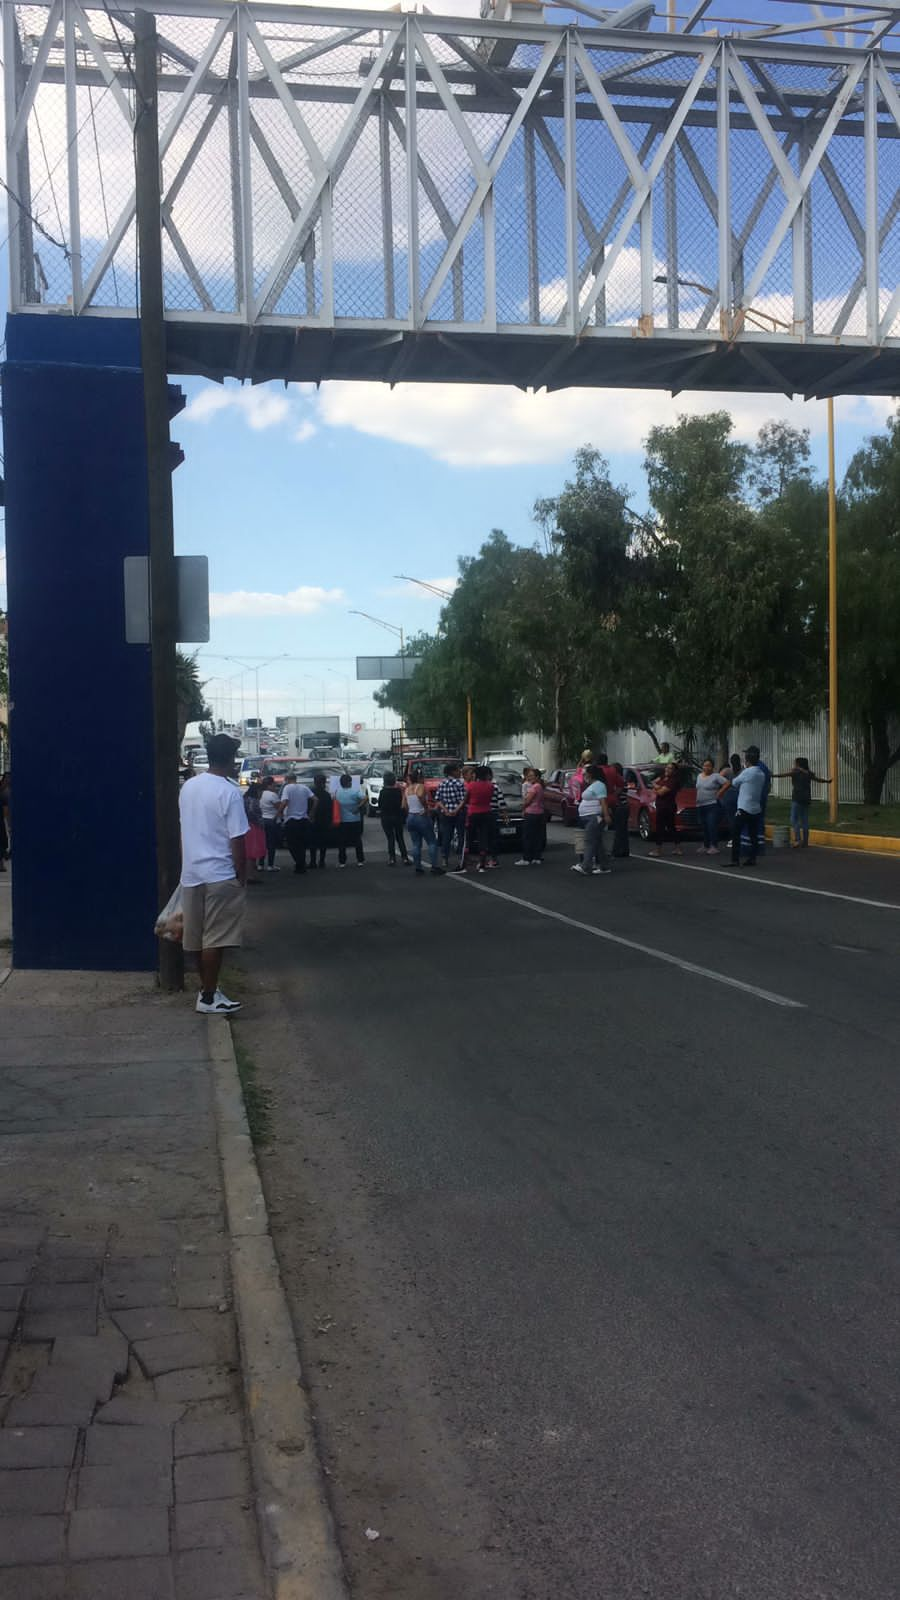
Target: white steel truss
[{"x": 362, "y": 194}]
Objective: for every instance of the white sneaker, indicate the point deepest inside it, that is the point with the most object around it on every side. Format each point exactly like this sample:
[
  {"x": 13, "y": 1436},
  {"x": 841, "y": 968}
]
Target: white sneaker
[
  {"x": 522, "y": 863},
  {"x": 578, "y": 868},
  {"x": 535, "y": 863},
  {"x": 273, "y": 869},
  {"x": 221, "y": 1005},
  {"x": 360, "y": 863},
  {"x": 234, "y": 1004}
]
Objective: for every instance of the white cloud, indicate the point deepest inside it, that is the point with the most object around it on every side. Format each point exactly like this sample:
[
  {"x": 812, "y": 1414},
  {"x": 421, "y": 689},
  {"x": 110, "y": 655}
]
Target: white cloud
[
  {"x": 475, "y": 425},
  {"x": 305, "y": 431},
  {"x": 300, "y": 602},
  {"x": 261, "y": 407}
]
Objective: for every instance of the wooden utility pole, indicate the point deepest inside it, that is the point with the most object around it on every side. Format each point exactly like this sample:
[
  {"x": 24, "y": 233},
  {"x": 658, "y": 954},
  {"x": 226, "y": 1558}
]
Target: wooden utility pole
[{"x": 163, "y": 582}]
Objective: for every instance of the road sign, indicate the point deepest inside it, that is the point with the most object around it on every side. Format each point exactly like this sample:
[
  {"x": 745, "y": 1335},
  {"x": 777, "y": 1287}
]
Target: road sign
[{"x": 387, "y": 666}]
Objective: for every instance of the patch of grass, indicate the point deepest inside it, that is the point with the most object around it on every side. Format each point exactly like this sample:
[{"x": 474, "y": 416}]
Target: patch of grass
[
  {"x": 257, "y": 1100},
  {"x": 853, "y": 818}
]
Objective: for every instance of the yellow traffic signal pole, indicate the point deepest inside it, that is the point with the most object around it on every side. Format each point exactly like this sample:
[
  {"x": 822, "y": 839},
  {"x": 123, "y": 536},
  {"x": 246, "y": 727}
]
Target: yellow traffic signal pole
[{"x": 832, "y": 625}]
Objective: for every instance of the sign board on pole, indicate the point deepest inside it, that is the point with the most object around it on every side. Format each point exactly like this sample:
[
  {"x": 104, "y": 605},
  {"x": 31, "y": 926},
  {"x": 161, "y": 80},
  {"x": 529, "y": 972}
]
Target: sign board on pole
[
  {"x": 387, "y": 666},
  {"x": 193, "y": 599}
]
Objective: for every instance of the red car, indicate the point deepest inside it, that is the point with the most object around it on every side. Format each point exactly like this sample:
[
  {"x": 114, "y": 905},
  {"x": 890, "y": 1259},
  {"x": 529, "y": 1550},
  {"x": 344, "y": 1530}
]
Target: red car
[
  {"x": 561, "y": 796},
  {"x": 642, "y": 803},
  {"x": 559, "y": 800}
]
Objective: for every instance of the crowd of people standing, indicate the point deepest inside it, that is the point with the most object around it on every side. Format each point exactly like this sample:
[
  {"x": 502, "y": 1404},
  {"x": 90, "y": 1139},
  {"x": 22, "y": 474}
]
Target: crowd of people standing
[
  {"x": 230, "y": 839},
  {"x": 460, "y": 821}
]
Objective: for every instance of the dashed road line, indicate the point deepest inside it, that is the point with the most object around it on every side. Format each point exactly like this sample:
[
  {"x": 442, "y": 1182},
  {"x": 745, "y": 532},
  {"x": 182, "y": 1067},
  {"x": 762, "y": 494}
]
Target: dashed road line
[
  {"x": 643, "y": 949},
  {"x": 743, "y": 876}
]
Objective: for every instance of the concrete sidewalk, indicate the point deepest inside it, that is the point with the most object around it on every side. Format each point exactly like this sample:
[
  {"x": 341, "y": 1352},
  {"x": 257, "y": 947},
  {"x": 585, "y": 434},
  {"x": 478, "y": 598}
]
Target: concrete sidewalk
[{"x": 124, "y": 1465}]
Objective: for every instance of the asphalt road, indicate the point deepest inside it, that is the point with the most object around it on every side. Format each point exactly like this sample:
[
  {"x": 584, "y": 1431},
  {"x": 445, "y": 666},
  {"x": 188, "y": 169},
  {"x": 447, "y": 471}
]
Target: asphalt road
[{"x": 593, "y": 1256}]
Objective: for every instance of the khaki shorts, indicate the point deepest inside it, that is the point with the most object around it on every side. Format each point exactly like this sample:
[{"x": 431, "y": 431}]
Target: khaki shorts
[{"x": 213, "y": 915}]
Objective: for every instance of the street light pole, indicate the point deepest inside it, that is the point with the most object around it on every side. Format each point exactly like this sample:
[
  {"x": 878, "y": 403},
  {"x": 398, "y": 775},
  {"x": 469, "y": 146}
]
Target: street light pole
[
  {"x": 443, "y": 594},
  {"x": 834, "y": 774},
  {"x": 392, "y": 627},
  {"x": 160, "y": 520},
  {"x": 251, "y": 666}
]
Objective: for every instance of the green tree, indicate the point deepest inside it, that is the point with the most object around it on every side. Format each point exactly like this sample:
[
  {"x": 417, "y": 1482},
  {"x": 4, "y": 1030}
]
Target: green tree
[
  {"x": 869, "y": 602},
  {"x": 779, "y": 460},
  {"x": 476, "y": 652},
  {"x": 733, "y": 646},
  {"x": 604, "y": 564},
  {"x": 192, "y": 705}
]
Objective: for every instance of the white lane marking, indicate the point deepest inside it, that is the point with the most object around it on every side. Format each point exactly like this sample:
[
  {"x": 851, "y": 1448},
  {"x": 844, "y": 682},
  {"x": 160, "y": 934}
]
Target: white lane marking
[
  {"x": 632, "y": 944},
  {"x": 741, "y": 876}
]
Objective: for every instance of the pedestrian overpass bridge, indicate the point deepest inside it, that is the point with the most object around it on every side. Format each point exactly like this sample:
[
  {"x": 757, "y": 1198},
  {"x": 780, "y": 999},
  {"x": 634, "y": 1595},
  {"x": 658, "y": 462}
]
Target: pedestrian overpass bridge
[{"x": 373, "y": 195}]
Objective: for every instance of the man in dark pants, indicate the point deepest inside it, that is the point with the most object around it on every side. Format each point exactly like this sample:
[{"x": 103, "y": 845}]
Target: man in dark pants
[
  {"x": 296, "y": 801},
  {"x": 450, "y": 804},
  {"x": 750, "y": 785}
]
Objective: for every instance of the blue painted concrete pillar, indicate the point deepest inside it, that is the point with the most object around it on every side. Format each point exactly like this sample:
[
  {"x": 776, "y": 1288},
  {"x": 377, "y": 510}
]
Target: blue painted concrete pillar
[{"x": 84, "y": 873}]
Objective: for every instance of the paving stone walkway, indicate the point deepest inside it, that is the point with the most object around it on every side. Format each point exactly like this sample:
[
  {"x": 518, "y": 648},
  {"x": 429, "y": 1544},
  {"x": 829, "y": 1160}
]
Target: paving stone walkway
[{"x": 123, "y": 1459}]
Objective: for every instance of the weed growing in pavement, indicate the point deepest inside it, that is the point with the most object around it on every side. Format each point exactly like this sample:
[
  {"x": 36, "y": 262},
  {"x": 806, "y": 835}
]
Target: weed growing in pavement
[{"x": 257, "y": 1100}]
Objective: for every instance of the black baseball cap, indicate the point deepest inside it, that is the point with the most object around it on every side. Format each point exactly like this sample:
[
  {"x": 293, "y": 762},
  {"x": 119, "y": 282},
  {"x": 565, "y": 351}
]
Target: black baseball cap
[{"x": 221, "y": 749}]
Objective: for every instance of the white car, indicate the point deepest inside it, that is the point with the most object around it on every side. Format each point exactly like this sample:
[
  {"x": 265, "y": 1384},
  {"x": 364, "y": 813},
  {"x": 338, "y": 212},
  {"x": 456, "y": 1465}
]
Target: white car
[
  {"x": 505, "y": 758},
  {"x": 373, "y": 782}
]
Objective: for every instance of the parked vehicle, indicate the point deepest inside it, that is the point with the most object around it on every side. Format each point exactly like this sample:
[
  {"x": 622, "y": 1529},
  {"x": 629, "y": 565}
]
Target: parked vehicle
[
  {"x": 248, "y": 770},
  {"x": 281, "y": 767},
  {"x": 520, "y": 757},
  {"x": 559, "y": 798},
  {"x": 508, "y": 778},
  {"x": 642, "y": 803},
  {"x": 373, "y": 782}
]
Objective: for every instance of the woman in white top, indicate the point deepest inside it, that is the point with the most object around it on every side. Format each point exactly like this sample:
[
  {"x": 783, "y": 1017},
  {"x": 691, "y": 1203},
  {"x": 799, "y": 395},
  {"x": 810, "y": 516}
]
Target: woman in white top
[
  {"x": 420, "y": 824},
  {"x": 709, "y": 784},
  {"x": 270, "y": 806}
]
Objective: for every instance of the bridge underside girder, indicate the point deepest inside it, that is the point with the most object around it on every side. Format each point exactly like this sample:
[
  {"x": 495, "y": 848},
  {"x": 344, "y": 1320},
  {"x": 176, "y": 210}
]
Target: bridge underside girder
[{"x": 315, "y": 355}]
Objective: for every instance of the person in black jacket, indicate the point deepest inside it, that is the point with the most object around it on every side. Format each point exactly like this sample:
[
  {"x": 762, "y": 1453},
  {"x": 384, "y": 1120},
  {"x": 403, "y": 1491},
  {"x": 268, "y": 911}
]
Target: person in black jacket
[{"x": 392, "y": 810}]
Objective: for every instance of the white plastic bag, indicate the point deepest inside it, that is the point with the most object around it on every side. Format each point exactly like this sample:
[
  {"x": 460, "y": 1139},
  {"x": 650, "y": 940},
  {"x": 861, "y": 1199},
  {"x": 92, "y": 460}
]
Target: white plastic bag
[{"x": 170, "y": 922}]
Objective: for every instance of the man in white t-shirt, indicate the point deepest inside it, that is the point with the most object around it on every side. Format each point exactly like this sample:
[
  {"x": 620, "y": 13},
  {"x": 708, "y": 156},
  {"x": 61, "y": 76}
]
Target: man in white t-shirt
[
  {"x": 213, "y": 869},
  {"x": 298, "y": 805}
]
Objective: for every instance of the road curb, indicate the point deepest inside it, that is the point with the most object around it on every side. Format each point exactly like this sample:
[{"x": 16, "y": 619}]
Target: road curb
[
  {"x": 878, "y": 844},
  {"x": 296, "y": 1526}
]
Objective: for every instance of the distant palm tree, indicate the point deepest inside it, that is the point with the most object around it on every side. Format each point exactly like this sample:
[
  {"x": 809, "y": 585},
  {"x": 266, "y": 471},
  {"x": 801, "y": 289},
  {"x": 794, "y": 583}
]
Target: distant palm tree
[{"x": 192, "y": 705}]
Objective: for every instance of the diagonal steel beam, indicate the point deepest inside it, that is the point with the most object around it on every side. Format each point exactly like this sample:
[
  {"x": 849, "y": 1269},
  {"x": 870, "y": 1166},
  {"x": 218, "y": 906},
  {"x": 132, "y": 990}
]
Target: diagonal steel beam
[
  {"x": 548, "y": 56},
  {"x": 167, "y": 134},
  {"x": 304, "y": 223},
  {"x": 35, "y": 77},
  {"x": 435, "y": 200},
  {"x": 644, "y": 190},
  {"x": 795, "y": 188}
]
